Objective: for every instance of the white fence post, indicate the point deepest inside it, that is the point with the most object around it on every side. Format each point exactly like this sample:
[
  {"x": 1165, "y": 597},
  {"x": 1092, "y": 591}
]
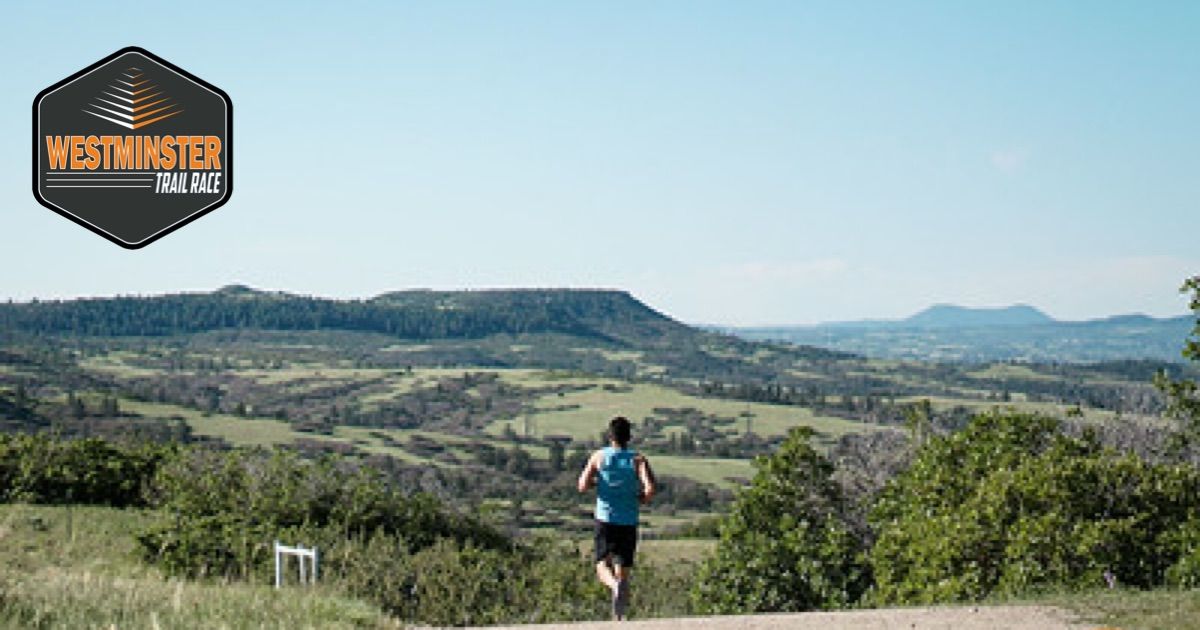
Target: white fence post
[{"x": 301, "y": 554}]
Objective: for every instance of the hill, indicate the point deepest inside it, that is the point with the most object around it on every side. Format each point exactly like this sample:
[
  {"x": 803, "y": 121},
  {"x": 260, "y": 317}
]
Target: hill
[
  {"x": 594, "y": 330},
  {"x": 951, "y": 316},
  {"x": 602, "y": 314},
  {"x": 1023, "y": 333}
]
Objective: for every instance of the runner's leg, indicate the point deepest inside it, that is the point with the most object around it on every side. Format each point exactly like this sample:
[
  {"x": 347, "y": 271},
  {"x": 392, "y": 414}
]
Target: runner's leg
[
  {"x": 603, "y": 557},
  {"x": 621, "y": 592},
  {"x": 624, "y": 548},
  {"x": 604, "y": 571}
]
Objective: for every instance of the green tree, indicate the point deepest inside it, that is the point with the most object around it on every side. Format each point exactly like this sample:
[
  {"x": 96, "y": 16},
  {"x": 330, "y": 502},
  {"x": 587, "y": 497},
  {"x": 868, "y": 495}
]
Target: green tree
[
  {"x": 918, "y": 418},
  {"x": 1011, "y": 504},
  {"x": 1183, "y": 396},
  {"x": 578, "y": 457},
  {"x": 21, "y": 396},
  {"x": 557, "y": 456},
  {"x": 519, "y": 462},
  {"x": 785, "y": 546},
  {"x": 78, "y": 409}
]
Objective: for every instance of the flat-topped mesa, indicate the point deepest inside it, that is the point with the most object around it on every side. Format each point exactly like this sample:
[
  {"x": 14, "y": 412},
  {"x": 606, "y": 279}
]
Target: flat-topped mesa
[{"x": 414, "y": 314}]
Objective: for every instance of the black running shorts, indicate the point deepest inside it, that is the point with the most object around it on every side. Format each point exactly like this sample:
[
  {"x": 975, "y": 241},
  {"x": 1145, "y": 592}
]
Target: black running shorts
[{"x": 617, "y": 541}]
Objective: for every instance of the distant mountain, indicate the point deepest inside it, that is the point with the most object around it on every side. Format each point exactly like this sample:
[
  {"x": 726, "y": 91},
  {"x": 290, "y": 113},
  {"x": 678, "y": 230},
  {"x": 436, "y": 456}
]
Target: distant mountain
[
  {"x": 951, "y": 316},
  {"x": 1133, "y": 319},
  {"x": 946, "y": 332},
  {"x": 954, "y": 316}
]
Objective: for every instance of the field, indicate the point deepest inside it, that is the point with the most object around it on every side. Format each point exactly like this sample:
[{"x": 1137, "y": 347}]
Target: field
[
  {"x": 581, "y": 415},
  {"x": 512, "y": 435}
]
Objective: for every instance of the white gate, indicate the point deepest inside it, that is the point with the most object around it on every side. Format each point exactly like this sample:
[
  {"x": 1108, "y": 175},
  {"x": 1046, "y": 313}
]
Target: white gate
[{"x": 302, "y": 554}]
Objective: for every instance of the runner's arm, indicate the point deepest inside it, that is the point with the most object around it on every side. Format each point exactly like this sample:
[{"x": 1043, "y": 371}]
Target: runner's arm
[
  {"x": 646, "y": 475},
  {"x": 587, "y": 478}
]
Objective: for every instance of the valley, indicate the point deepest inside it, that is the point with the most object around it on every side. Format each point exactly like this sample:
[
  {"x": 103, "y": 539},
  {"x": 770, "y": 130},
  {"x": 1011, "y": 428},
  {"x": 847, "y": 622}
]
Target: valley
[{"x": 500, "y": 414}]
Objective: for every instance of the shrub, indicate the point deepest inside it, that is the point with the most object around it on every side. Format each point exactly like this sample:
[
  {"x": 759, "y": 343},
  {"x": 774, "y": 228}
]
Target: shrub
[
  {"x": 785, "y": 545},
  {"x": 219, "y": 512},
  {"x": 460, "y": 583},
  {"x": 45, "y": 469},
  {"x": 1011, "y": 505},
  {"x": 222, "y": 510}
]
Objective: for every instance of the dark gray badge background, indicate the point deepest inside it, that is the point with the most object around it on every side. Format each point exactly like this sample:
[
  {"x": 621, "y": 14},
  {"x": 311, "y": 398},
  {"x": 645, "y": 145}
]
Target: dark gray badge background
[{"x": 132, "y": 217}]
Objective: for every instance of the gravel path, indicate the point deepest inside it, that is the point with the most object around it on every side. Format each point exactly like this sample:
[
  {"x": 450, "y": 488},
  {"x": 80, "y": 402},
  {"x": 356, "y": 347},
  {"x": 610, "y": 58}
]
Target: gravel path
[{"x": 940, "y": 618}]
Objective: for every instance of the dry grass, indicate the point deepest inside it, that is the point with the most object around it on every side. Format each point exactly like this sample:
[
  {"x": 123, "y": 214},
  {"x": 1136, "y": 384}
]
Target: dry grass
[
  {"x": 76, "y": 567},
  {"x": 1163, "y": 609}
]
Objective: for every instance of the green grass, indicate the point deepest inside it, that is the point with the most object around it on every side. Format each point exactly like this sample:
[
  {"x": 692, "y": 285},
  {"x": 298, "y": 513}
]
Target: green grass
[
  {"x": 1006, "y": 371},
  {"x": 363, "y": 438},
  {"x": 308, "y": 377},
  {"x": 656, "y": 522},
  {"x": 1048, "y": 408},
  {"x": 597, "y": 406},
  {"x": 407, "y": 347},
  {"x": 77, "y": 567},
  {"x": 251, "y": 431},
  {"x": 670, "y": 550},
  {"x": 114, "y": 364},
  {"x": 711, "y": 470},
  {"x": 235, "y": 429},
  {"x": 393, "y": 387}
]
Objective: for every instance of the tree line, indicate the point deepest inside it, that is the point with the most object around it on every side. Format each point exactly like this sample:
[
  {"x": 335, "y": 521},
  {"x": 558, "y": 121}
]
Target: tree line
[{"x": 408, "y": 315}]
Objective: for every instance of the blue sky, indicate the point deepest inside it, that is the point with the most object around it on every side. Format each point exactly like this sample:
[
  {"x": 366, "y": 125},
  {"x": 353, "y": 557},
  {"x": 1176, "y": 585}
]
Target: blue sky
[{"x": 733, "y": 163}]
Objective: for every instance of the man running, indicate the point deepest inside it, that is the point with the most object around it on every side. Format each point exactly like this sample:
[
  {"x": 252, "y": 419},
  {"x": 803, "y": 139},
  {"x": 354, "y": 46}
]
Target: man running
[{"x": 622, "y": 479}]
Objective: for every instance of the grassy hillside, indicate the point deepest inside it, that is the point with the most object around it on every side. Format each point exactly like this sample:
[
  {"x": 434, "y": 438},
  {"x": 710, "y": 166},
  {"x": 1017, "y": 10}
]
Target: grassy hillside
[{"x": 75, "y": 567}]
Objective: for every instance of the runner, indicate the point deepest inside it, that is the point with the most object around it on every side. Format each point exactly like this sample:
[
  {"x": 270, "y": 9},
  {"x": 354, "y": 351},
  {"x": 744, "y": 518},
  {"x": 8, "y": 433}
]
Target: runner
[{"x": 622, "y": 479}]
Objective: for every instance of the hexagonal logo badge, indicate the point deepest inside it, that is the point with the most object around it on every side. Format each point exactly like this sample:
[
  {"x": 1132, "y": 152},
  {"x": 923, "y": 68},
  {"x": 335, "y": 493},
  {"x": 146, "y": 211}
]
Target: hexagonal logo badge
[{"x": 132, "y": 147}]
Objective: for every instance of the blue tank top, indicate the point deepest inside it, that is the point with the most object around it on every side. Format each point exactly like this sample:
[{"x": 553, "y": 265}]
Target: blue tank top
[{"x": 617, "y": 487}]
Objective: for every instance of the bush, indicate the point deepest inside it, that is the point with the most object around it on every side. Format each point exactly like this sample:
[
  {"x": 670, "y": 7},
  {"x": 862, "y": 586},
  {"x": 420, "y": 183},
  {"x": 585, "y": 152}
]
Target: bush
[
  {"x": 222, "y": 510},
  {"x": 785, "y": 545},
  {"x": 452, "y": 583},
  {"x": 46, "y": 469},
  {"x": 1011, "y": 505}
]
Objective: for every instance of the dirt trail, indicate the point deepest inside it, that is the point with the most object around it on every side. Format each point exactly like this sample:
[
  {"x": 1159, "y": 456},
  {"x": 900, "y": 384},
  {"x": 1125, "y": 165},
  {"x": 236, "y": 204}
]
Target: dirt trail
[{"x": 939, "y": 618}]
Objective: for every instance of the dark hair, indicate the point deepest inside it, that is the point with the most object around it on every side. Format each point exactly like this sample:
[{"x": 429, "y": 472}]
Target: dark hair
[{"x": 618, "y": 430}]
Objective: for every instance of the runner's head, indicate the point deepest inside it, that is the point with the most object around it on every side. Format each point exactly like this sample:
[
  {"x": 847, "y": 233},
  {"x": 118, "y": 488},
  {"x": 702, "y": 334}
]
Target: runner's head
[{"x": 618, "y": 431}]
